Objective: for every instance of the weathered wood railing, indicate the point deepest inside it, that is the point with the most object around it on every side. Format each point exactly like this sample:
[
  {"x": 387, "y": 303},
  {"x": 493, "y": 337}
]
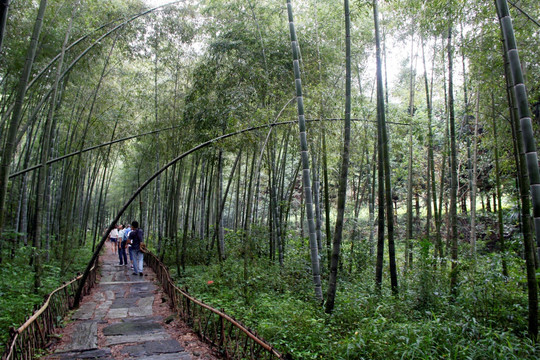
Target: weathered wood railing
[
  {"x": 35, "y": 333},
  {"x": 232, "y": 339}
]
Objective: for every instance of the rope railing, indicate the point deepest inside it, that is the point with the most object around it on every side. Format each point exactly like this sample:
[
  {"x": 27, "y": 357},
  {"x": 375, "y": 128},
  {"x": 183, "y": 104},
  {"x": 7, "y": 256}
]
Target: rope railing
[
  {"x": 232, "y": 339},
  {"x": 34, "y": 334}
]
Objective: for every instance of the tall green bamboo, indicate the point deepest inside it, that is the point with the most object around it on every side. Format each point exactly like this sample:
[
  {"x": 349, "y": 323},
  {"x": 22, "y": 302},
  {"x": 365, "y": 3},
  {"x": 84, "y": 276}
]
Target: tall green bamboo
[
  {"x": 185, "y": 228},
  {"x": 305, "y": 160},
  {"x": 431, "y": 165},
  {"x": 499, "y": 190},
  {"x": 408, "y": 245},
  {"x": 4, "y": 6},
  {"x": 342, "y": 191},
  {"x": 453, "y": 167},
  {"x": 529, "y": 148},
  {"x": 466, "y": 120},
  {"x": 474, "y": 176},
  {"x": 137, "y": 193},
  {"x": 385, "y": 155},
  {"x": 246, "y": 238},
  {"x": 10, "y": 142},
  {"x": 43, "y": 182}
]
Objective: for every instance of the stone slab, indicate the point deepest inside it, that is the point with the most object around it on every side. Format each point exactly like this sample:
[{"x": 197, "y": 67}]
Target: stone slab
[
  {"x": 119, "y": 303},
  {"x": 111, "y": 283},
  {"x": 153, "y": 348},
  {"x": 104, "y": 305},
  {"x": 84, "y": 337},
  {"x": 147, "y": 301},
  {"x": 120, "y": 277},
  {"x": 121, "y": 313},
  {"x": 105, "y": 278},
  {"x": 177, "y": 356},
  {"x": 99, "y": 297},
  {"x": 102, "y": 310},
  {"x": 140, "y": 311},
  {"x": 142, "y": 286},
  {"x": 135, "y": 338},
  {"x": 92, "y": 354},
  {"x": 133, "y": 327},
  {"x": 84, "y": 312},
  {"x": 134, "y": 279}
]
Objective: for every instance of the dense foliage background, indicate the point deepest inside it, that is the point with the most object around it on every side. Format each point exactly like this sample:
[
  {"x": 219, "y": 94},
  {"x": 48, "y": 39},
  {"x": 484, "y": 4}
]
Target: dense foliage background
[{"x": 230, "y": 218}]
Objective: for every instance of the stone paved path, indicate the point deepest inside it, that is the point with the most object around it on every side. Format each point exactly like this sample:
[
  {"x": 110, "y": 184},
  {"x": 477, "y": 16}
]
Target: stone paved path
[{"x": 123, "y": 318}]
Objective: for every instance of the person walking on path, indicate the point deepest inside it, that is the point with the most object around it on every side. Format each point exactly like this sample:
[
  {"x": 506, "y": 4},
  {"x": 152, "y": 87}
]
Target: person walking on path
[
  {"x": 114, "y": 239},
  {"x": 108, "y": 237},
  {"x": 136, "y": 240},
  {"x": 122, "y": 246},
  {"x": 127, "y": 244}
]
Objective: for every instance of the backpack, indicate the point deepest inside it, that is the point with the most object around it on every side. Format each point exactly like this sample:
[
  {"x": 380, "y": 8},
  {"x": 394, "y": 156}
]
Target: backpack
[{"x": 136, "y": 239}]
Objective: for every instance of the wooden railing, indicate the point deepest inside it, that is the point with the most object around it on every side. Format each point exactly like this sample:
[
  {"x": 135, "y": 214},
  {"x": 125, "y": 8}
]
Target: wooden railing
[
  {"x": 35, "y": 333},
  {"x": 232, "y": 339}
]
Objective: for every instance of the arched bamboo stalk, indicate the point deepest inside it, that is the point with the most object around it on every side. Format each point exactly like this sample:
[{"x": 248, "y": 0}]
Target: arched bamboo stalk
[{"x": 149, "y": 180}]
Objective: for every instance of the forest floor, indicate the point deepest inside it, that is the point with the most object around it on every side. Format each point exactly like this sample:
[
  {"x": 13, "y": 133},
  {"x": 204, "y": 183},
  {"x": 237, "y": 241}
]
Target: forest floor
[{"x": 127, "y": 316}]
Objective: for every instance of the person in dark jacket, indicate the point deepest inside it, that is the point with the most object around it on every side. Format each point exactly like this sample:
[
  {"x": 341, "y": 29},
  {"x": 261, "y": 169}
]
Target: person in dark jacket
[{"x": 135, "y": 238}]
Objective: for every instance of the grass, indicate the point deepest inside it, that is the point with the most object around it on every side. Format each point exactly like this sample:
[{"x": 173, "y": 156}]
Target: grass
[
  {"x": 487, "y": 319},
  {"x": 17, "y": 296}
]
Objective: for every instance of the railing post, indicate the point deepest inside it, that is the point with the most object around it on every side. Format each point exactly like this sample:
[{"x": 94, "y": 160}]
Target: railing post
[
  {"x": 191, "y": 310},
  {"x": 221, "y": 330}
]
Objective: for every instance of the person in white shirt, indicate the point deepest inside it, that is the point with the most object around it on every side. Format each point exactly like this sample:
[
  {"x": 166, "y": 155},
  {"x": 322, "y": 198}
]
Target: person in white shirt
[
  {"x": 114, "y": 239},
  {"x": 121, "y": 245}
]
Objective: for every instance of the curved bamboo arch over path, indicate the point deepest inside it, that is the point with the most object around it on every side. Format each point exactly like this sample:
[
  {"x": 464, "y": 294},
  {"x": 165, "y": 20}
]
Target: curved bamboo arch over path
[
  {"x": 60, "y": 158},
  {"x": 78, "y": 152},
  {"x": 156, "y": 174},
  {"x": 146, "y": 183}
]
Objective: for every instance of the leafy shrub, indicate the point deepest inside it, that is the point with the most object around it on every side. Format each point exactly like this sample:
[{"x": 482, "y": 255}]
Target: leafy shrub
[
  {"x": 485, "y": 321},
  {"x": 17, "y": 296}
]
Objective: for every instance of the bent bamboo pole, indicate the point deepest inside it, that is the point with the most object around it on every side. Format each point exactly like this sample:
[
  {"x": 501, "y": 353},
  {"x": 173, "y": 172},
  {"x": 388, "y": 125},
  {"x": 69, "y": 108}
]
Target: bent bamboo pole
[
  {"x": 8, "y": 355},
  {"x": 52, "y": 161},
  {"x": 221, "y": 314}
]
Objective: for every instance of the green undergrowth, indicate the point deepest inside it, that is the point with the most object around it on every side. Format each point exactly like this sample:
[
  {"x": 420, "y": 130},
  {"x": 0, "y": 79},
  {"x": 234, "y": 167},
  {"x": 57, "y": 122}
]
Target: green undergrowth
[
  {"x": 18, "y": 298},
  {"x": 486, "y": 320}
]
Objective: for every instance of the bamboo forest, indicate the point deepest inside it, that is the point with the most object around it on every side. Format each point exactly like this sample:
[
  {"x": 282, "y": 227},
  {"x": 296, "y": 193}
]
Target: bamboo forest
[{"x": 349, "y": 180}]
